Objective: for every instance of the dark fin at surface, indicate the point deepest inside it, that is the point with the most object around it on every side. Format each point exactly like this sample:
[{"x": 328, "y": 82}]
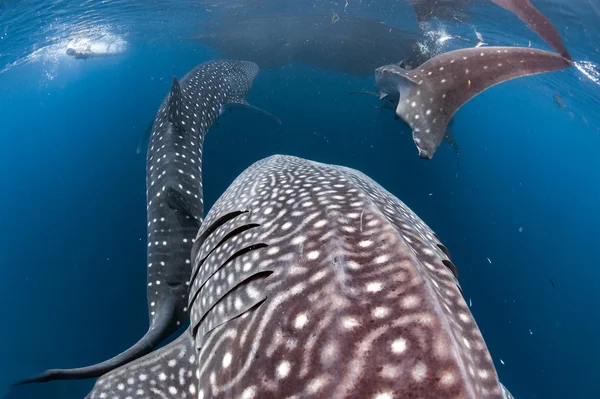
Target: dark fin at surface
[
  {"x": 151, "y": 377},
  {"x": 175, "y": 111},
  {"x": 432, "y": 93},
  {"x": 537, "y": 22},
  {"x": 158, "y": 331},
  {"x": 143, "y": 143},
  {"x": 241, "y": 103}
]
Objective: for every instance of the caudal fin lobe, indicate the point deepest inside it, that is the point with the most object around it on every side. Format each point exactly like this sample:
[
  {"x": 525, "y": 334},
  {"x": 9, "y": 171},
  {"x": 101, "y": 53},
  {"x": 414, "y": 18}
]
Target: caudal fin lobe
[
  {"x": 163, "y": 326},
  {"x": 432, "y": 93},
  {"x": 537, "y": 22}
]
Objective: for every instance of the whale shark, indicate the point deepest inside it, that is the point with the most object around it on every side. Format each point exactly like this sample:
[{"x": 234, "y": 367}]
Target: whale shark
[
  {"x": 429, "y": 95},
  {"x": 312, "y": 280},
  {"x": 353, "y": 45},
  {"x": 175, "y": 206}
]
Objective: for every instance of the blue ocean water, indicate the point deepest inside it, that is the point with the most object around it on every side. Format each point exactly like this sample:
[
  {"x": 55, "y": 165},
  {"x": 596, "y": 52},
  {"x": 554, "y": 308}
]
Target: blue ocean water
[{"x": 520, "y": 216}]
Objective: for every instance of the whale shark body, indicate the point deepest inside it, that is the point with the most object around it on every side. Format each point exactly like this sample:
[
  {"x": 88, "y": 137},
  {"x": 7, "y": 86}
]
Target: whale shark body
[
  {"x": 174, "y": 198},
  {"x": 351, "y": 45},
  {"x": 311, "y": 280},
  {"x": 429, "y": 96}
]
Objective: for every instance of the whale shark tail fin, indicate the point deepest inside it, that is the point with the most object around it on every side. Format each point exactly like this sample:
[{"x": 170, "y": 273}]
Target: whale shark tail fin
[
  {"x": 432, "y": 93},
  {"x": 159, "y": 330}
]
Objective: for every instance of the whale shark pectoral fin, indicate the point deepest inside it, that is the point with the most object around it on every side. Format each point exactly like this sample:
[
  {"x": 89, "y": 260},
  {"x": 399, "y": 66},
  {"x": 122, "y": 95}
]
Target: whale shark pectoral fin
[
  {"x": 241, "y": 103},
  {"x": 163, "y": 326},
  {"x": 175, "y": 103},
  {"x": 143, "y": 143},
  {"x": 151, "y": 376},
  {"x": 370, "y": 93}
]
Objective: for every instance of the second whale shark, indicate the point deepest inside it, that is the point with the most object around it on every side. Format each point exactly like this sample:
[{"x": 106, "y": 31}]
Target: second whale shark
[{"x": 175, "y": 198}]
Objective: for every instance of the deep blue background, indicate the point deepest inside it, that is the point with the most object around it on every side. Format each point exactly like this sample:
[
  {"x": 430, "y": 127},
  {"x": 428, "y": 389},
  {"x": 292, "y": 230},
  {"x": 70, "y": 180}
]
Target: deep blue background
[{"x": 73, "y": 223}]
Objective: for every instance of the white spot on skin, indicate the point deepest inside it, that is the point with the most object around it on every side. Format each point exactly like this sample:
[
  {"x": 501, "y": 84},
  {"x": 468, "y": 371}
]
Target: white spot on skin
[
  {"x": 249, "y": 393},
  {"x": 380, "y": 312},
  {"x": 301, "y": 320},
  {"x": 447, "y": 378},
  {"x": 411, "y": 301},
  {"x": 385, "y": 395},
  {"x": 399, "y": 346},
  {"x": 419, "y": 372},
  {"x": 226, "y": 360},
  {"x": 283, "y": 370},
  {"x": 381, "y": 259},
  {"x": 374, "y": 286},
  {"x": 349, "y": 323}
]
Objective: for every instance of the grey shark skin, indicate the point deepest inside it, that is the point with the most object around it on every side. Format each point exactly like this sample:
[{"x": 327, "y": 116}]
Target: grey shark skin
[
  {"x": 174, "y": 198},
  {"x": 311, "y": 280},
  {"x": 537, "y": 22},
  {"x": 430, "y": 95}
]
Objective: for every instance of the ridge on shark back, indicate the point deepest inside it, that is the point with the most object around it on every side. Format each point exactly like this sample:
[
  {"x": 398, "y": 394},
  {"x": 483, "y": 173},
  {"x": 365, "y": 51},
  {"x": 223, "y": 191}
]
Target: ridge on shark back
[
  {"x": 428, "y": 96},
  {"x": 311, "y": 280},
  {"x": 174, "y": 198}
]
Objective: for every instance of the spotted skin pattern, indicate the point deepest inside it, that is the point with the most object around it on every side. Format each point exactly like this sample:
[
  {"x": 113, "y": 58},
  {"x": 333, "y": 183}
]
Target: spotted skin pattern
[
  {"x": 174, "y": 199},
  {"x": 174, "y": 174},
  {"x": 311, "y": 280},
  {"x": 432, "y": 93},
  {"x": 350, "y": 296},
  {"x": 167, "y": 373}
]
